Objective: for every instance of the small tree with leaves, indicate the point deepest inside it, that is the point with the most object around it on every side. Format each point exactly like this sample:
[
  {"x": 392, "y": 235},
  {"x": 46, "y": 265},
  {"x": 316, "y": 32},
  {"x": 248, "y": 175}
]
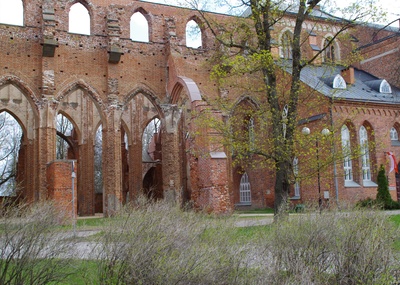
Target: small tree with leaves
[{"x": 383, "y": 197}]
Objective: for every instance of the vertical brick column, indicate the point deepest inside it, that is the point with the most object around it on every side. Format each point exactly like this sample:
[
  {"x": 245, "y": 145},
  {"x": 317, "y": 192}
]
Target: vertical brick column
[
  {"x": 112, "y": 163},
  {"x": 171, "y": 166},
  {"x": 59, "y": 177}
]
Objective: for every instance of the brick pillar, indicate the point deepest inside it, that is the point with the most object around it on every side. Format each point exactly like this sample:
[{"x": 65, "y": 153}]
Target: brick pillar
[
  {"x": 46, "y": 148},
  {"x": 59, "y": 177},
  {"x": 171, "y": 161},
  {"x": 112, "y": 166}
]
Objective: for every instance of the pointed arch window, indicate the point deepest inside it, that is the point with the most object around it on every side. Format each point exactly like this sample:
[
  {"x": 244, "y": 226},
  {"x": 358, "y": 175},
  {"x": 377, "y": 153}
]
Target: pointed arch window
[
  {"x": 296, "y": 174},
  {"x": 365, "y": 161},
  {"x": 346, "y": 149},
  {"x": 79, "y": 20},
  {"x": 330, "y": 53},
  {"x": 193, "y": 35},
  {"x": 286, "y": 45},
  {"x": 139, "y": 28},
  {"x": 339, "y": 82},
  {"x": 245, "y": 189},
  {"x": 385, "y": 87},
  {"x": 250, "y": 128},
  {"x": 394, "y": 136}
]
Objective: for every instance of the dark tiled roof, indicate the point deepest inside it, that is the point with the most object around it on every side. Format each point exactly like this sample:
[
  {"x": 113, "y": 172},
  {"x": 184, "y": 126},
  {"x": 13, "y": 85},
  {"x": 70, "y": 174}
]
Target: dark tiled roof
[{"x": 320, "y": 77}]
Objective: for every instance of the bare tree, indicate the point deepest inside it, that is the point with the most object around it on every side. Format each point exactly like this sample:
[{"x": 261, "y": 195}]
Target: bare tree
[{"x": 10, "y": 141}]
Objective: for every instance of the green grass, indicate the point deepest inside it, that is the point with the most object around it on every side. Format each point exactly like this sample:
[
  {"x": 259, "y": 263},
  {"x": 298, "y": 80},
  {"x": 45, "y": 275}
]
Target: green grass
[
  {"x": 256, "y": 211},
  {"x": 396, "y": 220}
]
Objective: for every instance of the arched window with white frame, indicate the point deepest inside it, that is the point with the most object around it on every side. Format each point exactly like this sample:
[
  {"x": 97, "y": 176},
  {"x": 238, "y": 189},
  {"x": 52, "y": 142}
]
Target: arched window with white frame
[
  {"x": 245, "y": 189},
  {"x": 12, "y": 12},
  {"x": 365, "y": 161},
  {"x": 79, "y": 20},
  {"x": 394, "y": 136},
  {"x": 346, "y": 149},
  {"x": 139, "y": 28}
]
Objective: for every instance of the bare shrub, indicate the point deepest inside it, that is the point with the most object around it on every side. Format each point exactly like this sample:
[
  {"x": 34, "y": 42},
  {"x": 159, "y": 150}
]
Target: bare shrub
[
  {"x": 160, "y": 244},
  {"x": 32, "y": 250},
  {"x": 333, "y": 248}
]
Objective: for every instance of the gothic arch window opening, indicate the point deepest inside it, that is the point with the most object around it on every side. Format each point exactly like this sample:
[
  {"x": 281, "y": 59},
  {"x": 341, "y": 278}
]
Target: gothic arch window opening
[
  {"x": 79, "y": 20},
  {"x": 139, "y": 28},
  {"x": 11, "y": 134},
  {"x": 331, "y": 52},
  {"x": 64, "y": 130},
  {"x": 245, "y": 189},
  {"x": 193, "y": 35},
  {"x": 346, "y": 149},
  {"x": 365, "y": 159},
  {"x": 286, "y": 45}
]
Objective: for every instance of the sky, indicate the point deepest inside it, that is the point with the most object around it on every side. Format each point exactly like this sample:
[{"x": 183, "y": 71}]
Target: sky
[{"x": 391, "y": 7}]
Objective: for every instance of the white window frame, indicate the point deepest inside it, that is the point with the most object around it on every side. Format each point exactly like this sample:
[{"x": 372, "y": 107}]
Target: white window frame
[
  {"x": 365, "y": 161},
  {"x": 346, "y": 148},
  {"x": 245, "y": 190},
  {"x": 394, "y": 136}
]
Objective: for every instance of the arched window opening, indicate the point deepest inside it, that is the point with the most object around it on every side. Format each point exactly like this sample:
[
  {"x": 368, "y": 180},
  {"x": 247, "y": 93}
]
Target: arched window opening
[
  {"x": 365, "y": 161},
  {"x": 251, "y": 132},
  {"x": 286, "y": 45},
  {"x": 346, "y": 149},
  {"x": 64, "y": 137},
  {"x": 394, "y": 136},
  {"x": 245, "y": 189},
  {"x": 98, "y": 159},
  {"x": 296, "y": 175},
  {"x": 79, "y": 20},
  {"x": 193, "y": 35},
  {"x": 10, "y": 144},
  {"x": 139, "y": 28},
  {"x": 385, "y": 87},
  {"x": 150, "y": 140},
  {"x": 12, "y": 12},
  {"x": 330, "y": 53},
  {"x": 339, "y": 82}
]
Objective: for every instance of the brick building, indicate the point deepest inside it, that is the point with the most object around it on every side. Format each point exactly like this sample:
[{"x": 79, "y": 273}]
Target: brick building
[{"x": 110, "y": 79}]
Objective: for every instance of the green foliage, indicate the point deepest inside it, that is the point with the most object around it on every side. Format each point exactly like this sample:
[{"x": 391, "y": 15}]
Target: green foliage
[{"x": 383, "y": 197}]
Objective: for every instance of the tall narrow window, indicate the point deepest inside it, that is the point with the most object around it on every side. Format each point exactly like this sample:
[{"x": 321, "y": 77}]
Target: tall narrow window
[
  {"x": 394, "y": 136},
  {"x": 286, "y": 45},
  {"x": 12, "y": 12},
  {"x": 347, "y": 165},
  {"x": 366, "y": 169},
  {"x": 245, "y": 190},
  {"x": 296, "y": 174},
  {"x": 79, "y": 20},
  {"x": 139, "y": 28},
  {"x": 193, "y": 35},
  {"x": 250, "y": 128},
  {"x": 330, "y": 50}
]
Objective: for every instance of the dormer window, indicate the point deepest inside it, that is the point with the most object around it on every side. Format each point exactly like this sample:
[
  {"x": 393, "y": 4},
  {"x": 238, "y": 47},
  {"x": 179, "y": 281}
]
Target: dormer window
[
  {"x": 385, "y": 87},
  {"x": 379, "y": 85},
  {"x": 339, "y": 82}
]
